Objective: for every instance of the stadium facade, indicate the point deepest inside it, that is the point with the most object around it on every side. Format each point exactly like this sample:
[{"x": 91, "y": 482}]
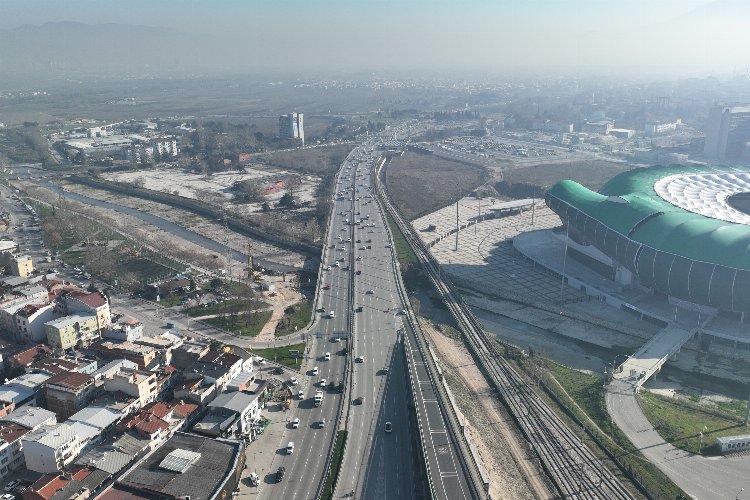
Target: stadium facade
[{"x": 678, "y": 230}]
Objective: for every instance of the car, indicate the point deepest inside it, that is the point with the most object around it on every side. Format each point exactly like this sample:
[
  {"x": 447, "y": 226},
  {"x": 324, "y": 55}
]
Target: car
[
  {"x": 332, "y": 314},
  {"x": 384, "y": 371},
  {"x": 328, "y": 356},
  {"x": 278, "y": 370},
  {"x": 327, "y": 286},
  {"x": 336, "y": 264},
  {"x": 293, "y": 381},
  {"x": 295, "y": 423},
  {"x": 8, "y": 496},
  {"x": 388, "y": 245},
  {"x": 363, "y": 248},
  {"x": 322, "y": 382},
  {"x": 280, "y": 474},
  {"x": 328, "y": 268},
  {"x": 12, "y": 484},
  {"x": 370, "y": 292},
  {"x": 290, "y": 448},
  {"x": 337, "y": 339},
  {"x": 403, "y": 312},
  {"x": 301, "y": 394},
  {"x": 322, "y": 423},
  {"x": 388, "y": 427},
  {"x": 359, "y": 400},
  {"x": 360, "y": 359},
  {"x": 315, "y": 370}
]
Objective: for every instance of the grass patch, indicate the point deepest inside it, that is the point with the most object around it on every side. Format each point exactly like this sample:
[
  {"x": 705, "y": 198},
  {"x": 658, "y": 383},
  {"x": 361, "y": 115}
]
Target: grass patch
[
  {"x": 248, "y": 324},
  {"x": 404, "y": 252},
  {"x": 333, "y": 473},
  {"x": 284, "y": 355},
  {"x": 228, "y": 307},
  {"x": 587, "y": 392},
  {"x": 680, "y": 422},
  {"x": 143, "y": 269},
  {"x": 170, "y": 301},
  {"x": 295, "y": 318}
]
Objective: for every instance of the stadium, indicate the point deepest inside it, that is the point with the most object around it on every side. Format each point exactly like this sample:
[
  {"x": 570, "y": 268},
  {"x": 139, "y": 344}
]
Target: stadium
[{"x": 680, "y": 231}]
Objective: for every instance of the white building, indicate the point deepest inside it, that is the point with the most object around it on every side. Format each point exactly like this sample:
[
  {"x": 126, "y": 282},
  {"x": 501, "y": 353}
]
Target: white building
[
  {"x": 50, "y": 448},
  {"x": 30, "y": 320},
  {"x": 164, "y": 147},
  {"x": 11, "y": 452},
  {"x": 137, "y": 383}
]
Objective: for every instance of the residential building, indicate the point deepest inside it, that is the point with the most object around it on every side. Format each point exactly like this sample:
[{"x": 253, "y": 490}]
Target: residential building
[
  {"x": 186, "y": 465},
  {"x": 95, "y": 303},
  {"x": 67, "y": 332},
  {"x": 92, "y": 424},
  {"x": 291, "y": 126},
  {"x": 21, "y": 265},
  {"x": 136, "y": 383},
  {"x": 54, "y": 366},
  {"x": 232, "y": 362},
  {"x": 658, "y": 128},
  {"x": 67, "y": 393},
  {"x": 230, "y": 414},
  {"x": 164, "y": 147},
  {"x": 195, "y": 389},
  {"x": 78, "y": 484},
  {"x": 11, "y": 453},
  {"x": 187, "y": 354},
  {"x": 214, "y": 373},
  {"x": 22, "y": 389},
  {"x": 108, "y": 370},
  {"x": 50, "y": 448},
  {"x": 129, "y": 331},
  {"x": 28, "y": 356},
  {"x": 31, "y": 417},
  {"x": 30, "y": 320},
  {"x": 141, "y": 355}
]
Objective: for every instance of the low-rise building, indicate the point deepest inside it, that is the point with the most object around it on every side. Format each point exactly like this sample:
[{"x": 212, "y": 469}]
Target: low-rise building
[
  {"x": 21, "y": 265},
  {"x": 23, "y": 389},
  {"x": 95, "y": 303},
  {"x": 78, "y": 484},
  {"x": 195, "y": 389},
  {"x": 28, "y": 356},
  {"x": 109, "y": 369},
  {"x": 50, "y": 448},
  {"x": 30, "y": 320},
  {"x": 67, "y": 332},
  {"x": 230, "y": 414},
  {"x": 130, "y": 331},
  {"x": 187, "y": 354},
  {"x": 137, "y": 383},
  {"x": 11, "y": 452},
  {"x": 143, "y": 356},
  {"x": 68, "y": 393},
  {"x": 31, "y": 417},
  {"x": 54, "y": 366},
  {"x": 186, "y": 465},
  {"x": 93, "y": 424}
]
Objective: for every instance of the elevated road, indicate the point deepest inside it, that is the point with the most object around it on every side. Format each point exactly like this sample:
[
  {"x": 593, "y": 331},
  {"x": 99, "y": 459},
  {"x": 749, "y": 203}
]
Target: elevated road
[{"x": 573, "y": 468}]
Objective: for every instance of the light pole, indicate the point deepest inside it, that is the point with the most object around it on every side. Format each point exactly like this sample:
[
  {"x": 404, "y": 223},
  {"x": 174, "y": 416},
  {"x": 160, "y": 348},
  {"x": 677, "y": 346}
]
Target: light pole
[{"x": 737, "y": 496}]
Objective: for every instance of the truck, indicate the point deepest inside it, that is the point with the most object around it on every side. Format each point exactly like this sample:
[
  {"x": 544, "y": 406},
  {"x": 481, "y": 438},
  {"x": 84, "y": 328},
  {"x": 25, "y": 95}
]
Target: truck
[{"x": 318, "y": 398}]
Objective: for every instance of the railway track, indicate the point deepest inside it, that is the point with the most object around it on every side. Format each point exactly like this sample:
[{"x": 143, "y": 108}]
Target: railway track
[{"x": 571, "y": 466}]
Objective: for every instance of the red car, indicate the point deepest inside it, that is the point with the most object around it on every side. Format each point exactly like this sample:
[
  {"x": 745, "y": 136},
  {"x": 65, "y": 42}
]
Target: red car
[{"x": 327, "y": 286}]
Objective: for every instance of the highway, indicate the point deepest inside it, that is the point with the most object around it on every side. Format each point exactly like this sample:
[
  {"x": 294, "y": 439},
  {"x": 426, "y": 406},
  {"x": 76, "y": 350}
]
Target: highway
[{"x": 377, "y": 464}]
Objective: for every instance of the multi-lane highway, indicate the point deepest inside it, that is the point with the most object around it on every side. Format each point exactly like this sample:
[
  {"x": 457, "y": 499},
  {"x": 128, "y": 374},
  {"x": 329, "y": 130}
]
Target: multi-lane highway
[{"x": 377, "y": 463}]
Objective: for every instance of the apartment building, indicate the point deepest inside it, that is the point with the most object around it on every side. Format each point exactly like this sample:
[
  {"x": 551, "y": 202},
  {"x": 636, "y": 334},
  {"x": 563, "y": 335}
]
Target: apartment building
[
  {"x": 66, "y": 332},
  {"x": 68, "y": 393},
  {"x": 136, "y": 383},
  {"x": 30, "y": 320},
  {"x": 50, "y": 448}
]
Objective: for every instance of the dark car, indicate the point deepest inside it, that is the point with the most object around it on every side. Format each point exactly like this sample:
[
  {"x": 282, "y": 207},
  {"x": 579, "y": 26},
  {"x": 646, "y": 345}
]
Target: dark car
[
  {"x": 280, "y": 474},
  {"x": 278, "y": 370},
  {"x": 359, "y": 400}
]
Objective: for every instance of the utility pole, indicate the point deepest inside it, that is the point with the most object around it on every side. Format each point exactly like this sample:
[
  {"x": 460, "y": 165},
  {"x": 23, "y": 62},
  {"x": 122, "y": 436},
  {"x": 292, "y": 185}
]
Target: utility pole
[
  {"x": 565, "y": 259},
  {"x": 250, "y": 260},
  {"x": 227, "y": 248},
  {"x": 456, "y": 226}
]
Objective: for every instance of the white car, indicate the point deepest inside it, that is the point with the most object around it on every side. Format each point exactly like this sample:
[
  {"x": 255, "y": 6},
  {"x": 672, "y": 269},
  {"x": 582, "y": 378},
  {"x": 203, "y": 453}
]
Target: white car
[
  {"x": 360, "y": 359},
  {"x": 293, "y": 381},
  {"x": 315, "y": 370},
  {"x": 328, "y": 356},
  {"x": 335, "y": 264},
  {"x": 332, "y": 314},
  {"x": 370, "y": 292},
  {"x": 295, "y": 423},
  {"x": 322, "y": 382},
  {"x": 322, "y": 423},
  {"x": 328, "y": 268}
]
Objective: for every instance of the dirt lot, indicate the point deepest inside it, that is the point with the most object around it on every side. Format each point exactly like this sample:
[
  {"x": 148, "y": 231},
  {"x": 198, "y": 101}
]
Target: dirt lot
[
  {"x": 513, "y": 475},
  {"x": 420, "y": 184},
  {"x": 591, "y": 173},
  {"x": 319, "y": 160}
]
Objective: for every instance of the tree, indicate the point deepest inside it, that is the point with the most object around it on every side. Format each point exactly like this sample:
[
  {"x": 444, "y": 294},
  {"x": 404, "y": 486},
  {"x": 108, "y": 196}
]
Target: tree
[
  {"x": 215, "y": 345},
  {"x": 287, "y": 201}
]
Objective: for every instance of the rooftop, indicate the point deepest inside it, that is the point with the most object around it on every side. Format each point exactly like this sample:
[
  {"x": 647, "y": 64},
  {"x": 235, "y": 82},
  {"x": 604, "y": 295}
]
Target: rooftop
[
  {"x": 11, "y": 432},
  {"x": 235, "y": 401},
  {"x": 204, "y": 478},
  {"x": 29, "y": 416},
  {"x": 99, "y": 417},
  {"x": 52, "y": 436},
  {"x": 91, "y": 299},
  {"x": 70, "y": 380}
]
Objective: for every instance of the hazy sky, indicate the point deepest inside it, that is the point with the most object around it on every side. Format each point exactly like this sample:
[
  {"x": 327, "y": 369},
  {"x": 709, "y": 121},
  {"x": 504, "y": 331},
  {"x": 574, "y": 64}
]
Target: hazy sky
[{"x": 690, "y": 36}]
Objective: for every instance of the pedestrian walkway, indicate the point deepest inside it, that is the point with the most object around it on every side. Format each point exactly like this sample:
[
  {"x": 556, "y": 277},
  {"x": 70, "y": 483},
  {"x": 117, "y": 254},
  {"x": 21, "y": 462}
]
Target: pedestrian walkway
[
  {"x": 648, "y": 360},
  {"x": 701, "y": 477}
]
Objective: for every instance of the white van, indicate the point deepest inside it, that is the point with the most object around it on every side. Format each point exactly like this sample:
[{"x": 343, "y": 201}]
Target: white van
[{"x": 290, "y": 448}]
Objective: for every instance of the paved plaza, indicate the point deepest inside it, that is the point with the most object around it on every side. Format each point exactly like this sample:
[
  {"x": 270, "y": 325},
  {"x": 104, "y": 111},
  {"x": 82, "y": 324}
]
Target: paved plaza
[{"x": 486, "y": 260}]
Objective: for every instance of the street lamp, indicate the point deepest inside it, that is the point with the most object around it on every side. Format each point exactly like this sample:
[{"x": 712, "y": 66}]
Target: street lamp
[{"x": 737, "y": 496}]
